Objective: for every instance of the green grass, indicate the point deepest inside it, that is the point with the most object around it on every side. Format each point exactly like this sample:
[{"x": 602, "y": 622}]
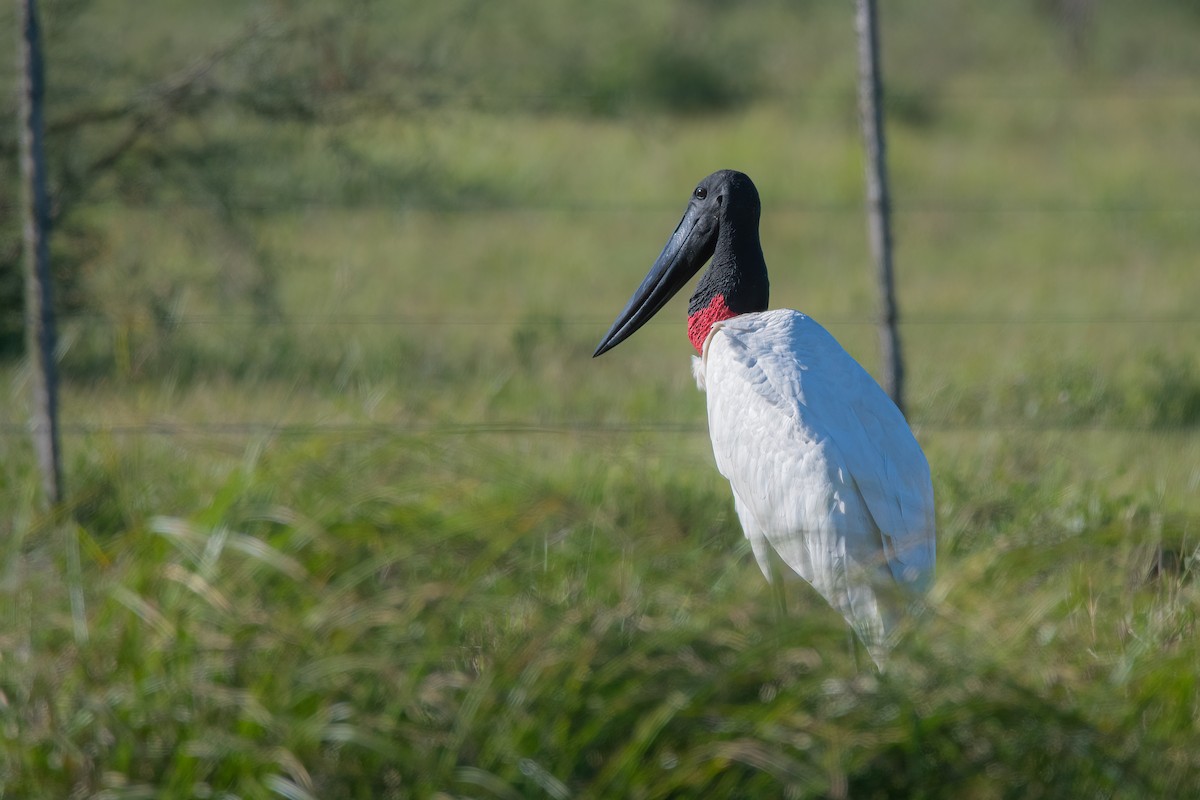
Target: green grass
[{"x": 357, "y": 515}]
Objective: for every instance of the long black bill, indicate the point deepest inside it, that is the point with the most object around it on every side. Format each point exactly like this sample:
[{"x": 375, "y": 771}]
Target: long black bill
[{"x": 689, "y": 247}]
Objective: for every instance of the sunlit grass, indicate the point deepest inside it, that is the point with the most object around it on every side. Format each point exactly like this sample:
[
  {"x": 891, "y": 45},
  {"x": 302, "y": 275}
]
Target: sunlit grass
[{"x": 362, "y": 617}]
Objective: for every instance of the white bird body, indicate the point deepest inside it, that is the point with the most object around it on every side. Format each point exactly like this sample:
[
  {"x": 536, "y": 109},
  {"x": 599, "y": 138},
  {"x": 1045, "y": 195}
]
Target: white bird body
[
  {"x": 828, "y": 480},
  {"x": 826, "y": 475}
]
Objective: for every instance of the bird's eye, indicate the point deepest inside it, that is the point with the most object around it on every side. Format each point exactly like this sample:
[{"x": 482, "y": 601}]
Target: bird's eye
[{"x": 700, "y": 193}]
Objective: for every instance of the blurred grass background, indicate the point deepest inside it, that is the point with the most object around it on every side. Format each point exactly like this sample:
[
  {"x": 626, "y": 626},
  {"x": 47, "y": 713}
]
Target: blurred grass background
[{"x": 358, "y": 516}]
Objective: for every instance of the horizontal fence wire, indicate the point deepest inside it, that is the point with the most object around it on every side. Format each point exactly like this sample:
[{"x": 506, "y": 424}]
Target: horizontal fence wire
[
  {"x": 517, "y": 428},
  {"x": 1147, "y": 91},
  {"x": 518, "y": 206},
  {"x": 549, "y": 320}
]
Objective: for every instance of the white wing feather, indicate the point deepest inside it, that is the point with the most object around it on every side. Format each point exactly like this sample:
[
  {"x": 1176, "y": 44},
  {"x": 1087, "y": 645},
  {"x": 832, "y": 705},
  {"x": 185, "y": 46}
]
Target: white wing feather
[{"x": 825, "y": 472}]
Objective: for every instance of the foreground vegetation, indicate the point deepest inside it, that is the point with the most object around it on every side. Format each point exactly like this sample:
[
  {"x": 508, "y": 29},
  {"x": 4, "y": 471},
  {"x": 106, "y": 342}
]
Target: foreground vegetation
[{"x": 354, "y": 514}]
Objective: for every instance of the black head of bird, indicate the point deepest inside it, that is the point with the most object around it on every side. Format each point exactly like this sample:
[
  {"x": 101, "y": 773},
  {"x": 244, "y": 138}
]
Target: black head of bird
[{"x": 721, "y": 224}]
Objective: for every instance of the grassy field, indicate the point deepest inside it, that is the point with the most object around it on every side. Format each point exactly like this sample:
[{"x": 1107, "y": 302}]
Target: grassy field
[{"x": 353, "y": 513}]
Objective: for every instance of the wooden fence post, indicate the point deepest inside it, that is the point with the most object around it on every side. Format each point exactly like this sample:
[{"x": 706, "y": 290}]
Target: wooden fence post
[
  {"x": 39, "y": 299},
  {"x": 879, "y": 224}
]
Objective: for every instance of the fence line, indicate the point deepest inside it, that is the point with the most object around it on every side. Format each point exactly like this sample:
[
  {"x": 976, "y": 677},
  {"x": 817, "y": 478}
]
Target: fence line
[
  {"x": 1000, "y": 91},
  {"x": 574, "y": 320},
  {"x": 905, "y": 206},
  {"x": 538, "y": 320},
  {"x": 936, "y": 99},
  {"x": 173, "y": 430}
]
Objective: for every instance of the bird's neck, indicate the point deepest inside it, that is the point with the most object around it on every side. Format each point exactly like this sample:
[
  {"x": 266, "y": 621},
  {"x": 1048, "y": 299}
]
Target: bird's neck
[
  {"x": 734, "y": 283},
  {"x": 700, "y": 322}
]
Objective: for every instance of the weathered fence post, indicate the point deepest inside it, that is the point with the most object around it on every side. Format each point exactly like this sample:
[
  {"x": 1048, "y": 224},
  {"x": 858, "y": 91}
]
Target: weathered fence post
[
  {"x": 879, "y": 224},
  {"x": 39, "y": 301}
]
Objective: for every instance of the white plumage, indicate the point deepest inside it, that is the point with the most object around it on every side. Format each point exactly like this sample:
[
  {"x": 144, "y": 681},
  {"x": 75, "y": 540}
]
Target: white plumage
[{"x": 826, "y": 475}]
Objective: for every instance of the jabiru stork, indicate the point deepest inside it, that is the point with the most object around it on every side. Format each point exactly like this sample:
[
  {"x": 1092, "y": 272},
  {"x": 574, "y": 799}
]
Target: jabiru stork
[{"x": 828, "y": 481}]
